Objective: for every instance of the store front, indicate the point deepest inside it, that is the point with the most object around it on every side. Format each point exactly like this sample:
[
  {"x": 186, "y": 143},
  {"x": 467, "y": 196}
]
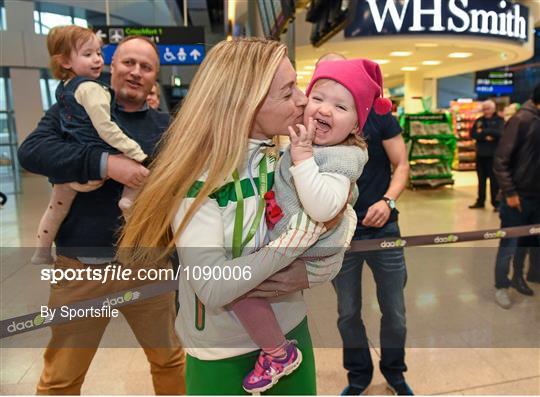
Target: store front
[{"x": 420, "y": 44}]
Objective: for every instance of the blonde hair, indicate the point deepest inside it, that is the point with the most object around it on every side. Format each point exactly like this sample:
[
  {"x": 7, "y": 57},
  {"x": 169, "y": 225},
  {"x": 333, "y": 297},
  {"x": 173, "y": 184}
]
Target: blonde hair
[
  {"x": 208, "y": 135},
  {"x": 61, "y": 42},
  {"x": 355, "y": 140}
]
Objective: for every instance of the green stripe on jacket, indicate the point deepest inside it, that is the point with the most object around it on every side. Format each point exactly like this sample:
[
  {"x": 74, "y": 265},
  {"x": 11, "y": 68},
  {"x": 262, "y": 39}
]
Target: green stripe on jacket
[{"x": 226, "y": 193}]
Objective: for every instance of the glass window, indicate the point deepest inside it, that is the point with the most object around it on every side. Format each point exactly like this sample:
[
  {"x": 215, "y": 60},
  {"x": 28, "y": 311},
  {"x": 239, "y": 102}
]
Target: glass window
[
  {"x": 4, "y": 126},
  {"x": 47, "y": 87},
  {"x": 80, "y": 22},
  {"x": 49, "y": 15},
  {"x": 9, "y": 167},
  {"x": 49, "y": 20},
  {"x": 5, "y": 107},
  {"x": 3, "y": 25},
  {"x": 3, "y": 98}
]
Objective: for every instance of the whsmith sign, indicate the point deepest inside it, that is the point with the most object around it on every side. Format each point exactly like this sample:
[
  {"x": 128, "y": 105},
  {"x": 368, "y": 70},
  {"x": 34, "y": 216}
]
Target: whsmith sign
[{"x": 495, "y": 18}]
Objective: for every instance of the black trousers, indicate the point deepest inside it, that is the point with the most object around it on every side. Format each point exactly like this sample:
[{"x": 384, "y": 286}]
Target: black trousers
[
  {"x": 484, "y": 169},
  {"x": 527, "y": 245}
]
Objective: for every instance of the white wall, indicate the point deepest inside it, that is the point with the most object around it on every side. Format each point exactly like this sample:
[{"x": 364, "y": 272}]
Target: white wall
[
  {"x": 20, "y": 45},
  {"x": 26, "y": 100}
]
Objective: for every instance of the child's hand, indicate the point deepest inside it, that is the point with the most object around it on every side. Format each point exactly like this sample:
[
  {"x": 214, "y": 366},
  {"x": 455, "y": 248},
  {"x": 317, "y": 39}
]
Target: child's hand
[{"x": 302, "y": 142}]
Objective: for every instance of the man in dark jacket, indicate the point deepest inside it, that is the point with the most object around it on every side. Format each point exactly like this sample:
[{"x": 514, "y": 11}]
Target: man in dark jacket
[
  {"x": 86, "y": 237},
  {"x": 517, "y": 168},
  {"x": 487, "y": 131}
]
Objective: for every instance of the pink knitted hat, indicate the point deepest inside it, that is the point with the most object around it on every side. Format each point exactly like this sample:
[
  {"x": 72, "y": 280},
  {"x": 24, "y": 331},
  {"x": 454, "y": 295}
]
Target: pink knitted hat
[{"x": 362, "y": 78}]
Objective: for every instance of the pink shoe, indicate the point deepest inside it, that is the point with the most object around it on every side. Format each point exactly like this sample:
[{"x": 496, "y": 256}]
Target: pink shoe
[{"x": 268, "y": 370}]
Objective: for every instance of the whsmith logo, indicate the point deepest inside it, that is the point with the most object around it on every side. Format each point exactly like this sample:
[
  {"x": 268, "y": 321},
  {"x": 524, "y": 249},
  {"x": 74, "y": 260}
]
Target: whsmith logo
[
  {"x": 497, "y": 234},
  {"x": 534, "y": 230},
  {"x": 451, "y": 238},
  {"x": 36, "y": 322},
  {"x": 496, "y": 18},
  {"x": 127, "y": 297},
  {"x": 394, "y": 244}
]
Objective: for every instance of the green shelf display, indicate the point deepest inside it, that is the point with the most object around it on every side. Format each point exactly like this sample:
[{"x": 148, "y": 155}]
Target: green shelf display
[{"x": 432, "y": 148}]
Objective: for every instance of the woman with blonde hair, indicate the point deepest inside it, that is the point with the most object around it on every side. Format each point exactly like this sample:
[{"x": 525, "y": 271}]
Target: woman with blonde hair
[{"x": 215, "y": 164}]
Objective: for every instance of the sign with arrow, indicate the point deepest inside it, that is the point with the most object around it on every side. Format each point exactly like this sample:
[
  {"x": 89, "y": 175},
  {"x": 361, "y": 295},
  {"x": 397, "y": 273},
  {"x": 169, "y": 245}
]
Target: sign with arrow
[{"x": 176, "y": 45}]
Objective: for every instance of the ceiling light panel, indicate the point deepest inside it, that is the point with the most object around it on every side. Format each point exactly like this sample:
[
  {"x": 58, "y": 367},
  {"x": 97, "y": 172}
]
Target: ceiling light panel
[
  {"x": 460, "y": 55},
  {"x": 400, "y": 53}
]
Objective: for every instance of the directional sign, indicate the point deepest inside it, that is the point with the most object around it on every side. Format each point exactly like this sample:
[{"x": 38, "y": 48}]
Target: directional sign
[
  {"x": 159, "y": 34},
  {"x": 168, "y": 54},
  {"x": 494, "y": 82},
  {"x": 176, "y": 45}
]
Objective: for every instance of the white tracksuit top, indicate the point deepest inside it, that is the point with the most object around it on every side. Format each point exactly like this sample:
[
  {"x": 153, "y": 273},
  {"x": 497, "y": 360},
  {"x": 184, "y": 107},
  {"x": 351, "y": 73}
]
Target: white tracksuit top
[{"x": 209, "y": 330}]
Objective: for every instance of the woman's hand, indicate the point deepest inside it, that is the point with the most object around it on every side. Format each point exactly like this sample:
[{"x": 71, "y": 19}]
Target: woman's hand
[
  {"x": 291, "y": 279},
  {"x": 302, "y": 143}
]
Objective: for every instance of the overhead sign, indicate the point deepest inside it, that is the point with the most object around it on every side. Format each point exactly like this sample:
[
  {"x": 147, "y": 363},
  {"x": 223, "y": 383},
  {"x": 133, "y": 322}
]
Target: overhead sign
[
  {"x": 495, "y": 18},
  {"x": 494, "y": 82},
  {"x": 176, "y": 45}
]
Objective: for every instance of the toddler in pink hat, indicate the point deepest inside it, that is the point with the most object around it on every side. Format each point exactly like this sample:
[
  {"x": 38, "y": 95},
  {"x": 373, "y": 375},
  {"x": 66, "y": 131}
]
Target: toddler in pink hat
[{"x": 315, "y": 176}]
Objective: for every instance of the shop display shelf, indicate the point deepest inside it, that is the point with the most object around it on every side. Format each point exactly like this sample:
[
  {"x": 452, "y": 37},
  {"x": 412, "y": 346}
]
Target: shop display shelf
[
  {"x": 464, "y": 114},
  {"x": 430, "y": 157},
  {"x": 432, "y": 147},
  {"x": 432, "y": 182},
  {"x": 466, "y": 166},
  {"x": 467, "y": 156}
]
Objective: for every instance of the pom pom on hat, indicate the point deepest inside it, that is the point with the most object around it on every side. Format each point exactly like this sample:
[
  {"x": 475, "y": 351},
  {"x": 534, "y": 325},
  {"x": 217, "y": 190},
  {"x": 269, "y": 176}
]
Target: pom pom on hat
[
  {"x": 382, "y": 105},
  {"x": 363, "y": 79}
]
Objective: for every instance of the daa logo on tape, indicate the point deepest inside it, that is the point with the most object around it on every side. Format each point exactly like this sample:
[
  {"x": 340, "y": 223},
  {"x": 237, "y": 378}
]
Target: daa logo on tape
[
  {"x": 497, "y": 234},
  {"x": 394, "y": 244},
  {"x": 451, "y": 238},
  {"x": 21, "y": 326}
]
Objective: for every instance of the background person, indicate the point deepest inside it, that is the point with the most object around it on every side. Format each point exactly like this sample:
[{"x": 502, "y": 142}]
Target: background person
[
  {"x": 153, "y": 99},
  {"x": 487, "y": 131},
  {"x": 517, "y": 168},
  {"x": 85, "y": 111},
  {"x": 87, "y": 235},
  {"x": 384, "y": 178}
]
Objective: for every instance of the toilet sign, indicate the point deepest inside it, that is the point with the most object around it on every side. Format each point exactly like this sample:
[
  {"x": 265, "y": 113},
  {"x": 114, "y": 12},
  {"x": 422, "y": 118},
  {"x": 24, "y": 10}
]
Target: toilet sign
[{"x": 176, "y": 45}]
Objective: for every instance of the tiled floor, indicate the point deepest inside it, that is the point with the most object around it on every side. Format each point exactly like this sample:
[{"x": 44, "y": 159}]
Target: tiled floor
[{"x": 459, "y": 341}]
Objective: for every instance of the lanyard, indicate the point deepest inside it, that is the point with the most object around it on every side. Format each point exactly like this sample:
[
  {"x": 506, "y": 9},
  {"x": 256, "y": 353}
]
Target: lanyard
[{"x": 238, "y": 244}]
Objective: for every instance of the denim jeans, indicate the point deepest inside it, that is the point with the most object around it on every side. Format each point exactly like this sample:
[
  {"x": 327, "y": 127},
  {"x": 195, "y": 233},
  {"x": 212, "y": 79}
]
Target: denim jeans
[
  {"x": 527, "y": 245},
  {"x": 529, "y": 214},
  {"x": 390, "y": 273}
]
